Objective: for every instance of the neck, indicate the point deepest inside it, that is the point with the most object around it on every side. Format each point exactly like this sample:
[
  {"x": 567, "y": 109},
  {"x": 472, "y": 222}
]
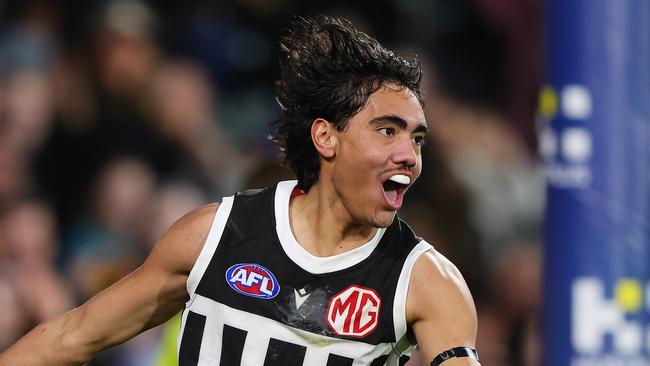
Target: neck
[{"x": 322, "y": 224}]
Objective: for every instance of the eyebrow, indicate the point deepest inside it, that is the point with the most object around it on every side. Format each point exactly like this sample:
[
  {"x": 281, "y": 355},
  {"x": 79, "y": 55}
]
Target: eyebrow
[{"x": 401, "y": 122}]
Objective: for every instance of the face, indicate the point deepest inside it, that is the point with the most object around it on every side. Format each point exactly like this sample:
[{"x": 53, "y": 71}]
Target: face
[{"x": 377, "y": 157}]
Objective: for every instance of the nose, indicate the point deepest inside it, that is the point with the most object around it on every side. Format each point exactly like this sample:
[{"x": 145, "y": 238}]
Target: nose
[{"x": 406, "y": 153}]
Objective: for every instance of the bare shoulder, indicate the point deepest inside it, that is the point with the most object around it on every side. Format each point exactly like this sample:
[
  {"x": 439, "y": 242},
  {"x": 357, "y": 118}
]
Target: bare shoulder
[
  {"x": 440, "y": 308},
  {"x": 181, "y": 244},
  {"x": 434, "y": 274}
]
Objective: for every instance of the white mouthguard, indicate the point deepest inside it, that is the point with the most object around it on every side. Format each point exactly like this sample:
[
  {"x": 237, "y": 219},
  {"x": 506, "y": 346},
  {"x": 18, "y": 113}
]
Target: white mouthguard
[{"x": 400, "y": 178}]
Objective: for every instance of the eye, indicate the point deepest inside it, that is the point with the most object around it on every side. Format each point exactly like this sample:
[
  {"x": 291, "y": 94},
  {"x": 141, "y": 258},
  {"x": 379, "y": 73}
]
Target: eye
[
  {"x": 419, "y": 140},
  {"x": 387, "y": 131}
]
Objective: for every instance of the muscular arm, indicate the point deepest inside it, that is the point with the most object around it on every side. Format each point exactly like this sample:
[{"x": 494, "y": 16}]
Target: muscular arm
[
  {"x": 440, "y": 309},
  {"x": 145, "y": 298}
]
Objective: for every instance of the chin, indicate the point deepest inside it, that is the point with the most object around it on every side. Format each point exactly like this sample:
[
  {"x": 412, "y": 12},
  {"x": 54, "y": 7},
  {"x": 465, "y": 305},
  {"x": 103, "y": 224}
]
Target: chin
[{"x": 384, "y": 219}]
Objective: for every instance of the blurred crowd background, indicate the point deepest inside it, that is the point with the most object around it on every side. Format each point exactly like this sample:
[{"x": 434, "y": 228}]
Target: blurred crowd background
[{"x": 117, "y": 117}]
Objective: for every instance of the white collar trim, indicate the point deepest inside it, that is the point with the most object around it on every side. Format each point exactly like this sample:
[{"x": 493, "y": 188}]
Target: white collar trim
[{"x": 298, "y": 254}]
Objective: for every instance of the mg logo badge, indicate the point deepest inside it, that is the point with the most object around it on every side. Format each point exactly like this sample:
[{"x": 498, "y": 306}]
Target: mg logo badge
[{"x": 354, "y": 312}]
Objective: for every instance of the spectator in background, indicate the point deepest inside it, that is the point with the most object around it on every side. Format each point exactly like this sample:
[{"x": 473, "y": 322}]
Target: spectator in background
[
  {"x": 27, "y": 105},
  {"x": 30, "y": 286},
  {"x": 126, "y": 57},
  {"x": 27, "y": 53},
  {"x": 66, "y": 161},
  {"x": 108, "y": 242},
  {"x": 183, "y": 106}
]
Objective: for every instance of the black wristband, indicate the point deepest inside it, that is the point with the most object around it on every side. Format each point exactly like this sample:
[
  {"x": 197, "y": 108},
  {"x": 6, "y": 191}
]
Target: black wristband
[{"x": 454, "y": 352}]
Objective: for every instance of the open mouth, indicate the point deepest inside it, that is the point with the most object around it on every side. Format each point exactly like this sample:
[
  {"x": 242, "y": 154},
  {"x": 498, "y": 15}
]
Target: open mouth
[{"x": 394, "y": 189}]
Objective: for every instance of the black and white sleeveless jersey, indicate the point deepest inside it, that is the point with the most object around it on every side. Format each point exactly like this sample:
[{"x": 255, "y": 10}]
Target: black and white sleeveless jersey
[{"x": 257, "y": 298}]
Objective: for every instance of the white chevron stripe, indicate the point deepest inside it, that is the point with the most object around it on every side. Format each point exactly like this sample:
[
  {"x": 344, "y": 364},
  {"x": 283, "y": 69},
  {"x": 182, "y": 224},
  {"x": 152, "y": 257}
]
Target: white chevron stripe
[{"x": 261, "y": 330}]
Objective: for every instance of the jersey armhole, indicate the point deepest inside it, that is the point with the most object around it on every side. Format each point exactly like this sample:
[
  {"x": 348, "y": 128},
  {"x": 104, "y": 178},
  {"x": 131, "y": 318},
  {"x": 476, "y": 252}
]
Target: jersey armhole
[
  {"x": 210, "y": 246},
  {"x": 401, "y": 293}
]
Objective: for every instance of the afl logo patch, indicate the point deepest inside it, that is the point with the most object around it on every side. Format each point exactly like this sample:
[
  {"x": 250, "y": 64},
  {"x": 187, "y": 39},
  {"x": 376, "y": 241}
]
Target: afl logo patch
[
  {"x": 354, "y": 312},
  {"x": 252, "y": 280}
]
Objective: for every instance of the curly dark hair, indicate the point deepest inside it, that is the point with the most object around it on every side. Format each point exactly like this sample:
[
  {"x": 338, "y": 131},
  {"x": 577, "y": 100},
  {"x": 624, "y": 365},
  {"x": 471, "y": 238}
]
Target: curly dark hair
[{"x": 328, "y": 69}]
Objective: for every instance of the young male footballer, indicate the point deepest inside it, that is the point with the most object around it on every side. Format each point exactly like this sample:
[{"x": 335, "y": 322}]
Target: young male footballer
[{"x": 315, "y": 272}]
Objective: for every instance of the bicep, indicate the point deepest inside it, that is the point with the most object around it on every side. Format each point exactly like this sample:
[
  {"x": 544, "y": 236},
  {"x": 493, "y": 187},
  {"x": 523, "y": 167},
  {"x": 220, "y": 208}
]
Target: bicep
[
  {"x": 440, "y": 309},
  {"x": 139, "y": 301},
  {"x": 148, "y": 296}
]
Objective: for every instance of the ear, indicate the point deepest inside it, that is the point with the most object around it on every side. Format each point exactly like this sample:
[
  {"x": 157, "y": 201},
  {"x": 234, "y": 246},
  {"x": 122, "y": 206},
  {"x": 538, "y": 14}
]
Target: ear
[{"x": 324, "y": 137}]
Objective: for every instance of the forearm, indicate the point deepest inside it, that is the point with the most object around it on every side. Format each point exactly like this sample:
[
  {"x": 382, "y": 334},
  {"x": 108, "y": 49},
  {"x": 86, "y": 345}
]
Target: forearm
[
  {"x": 147, "y": 297},
  {"x": 50, "y": 343},
  {"x": 110, "y": 318}
]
